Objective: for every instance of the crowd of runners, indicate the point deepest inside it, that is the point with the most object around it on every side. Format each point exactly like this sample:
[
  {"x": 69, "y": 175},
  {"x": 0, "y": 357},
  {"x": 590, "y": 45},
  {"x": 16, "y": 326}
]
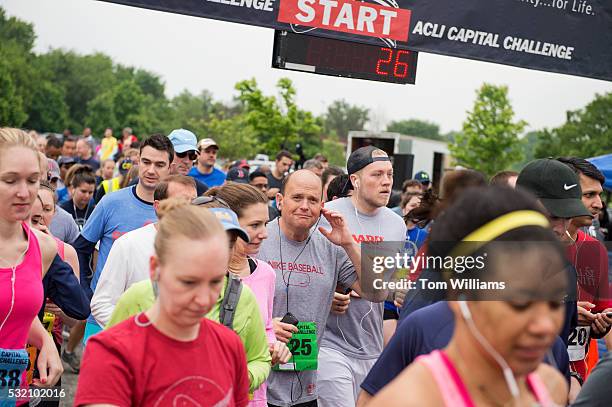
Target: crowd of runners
[{"x": 192, "y": 285}]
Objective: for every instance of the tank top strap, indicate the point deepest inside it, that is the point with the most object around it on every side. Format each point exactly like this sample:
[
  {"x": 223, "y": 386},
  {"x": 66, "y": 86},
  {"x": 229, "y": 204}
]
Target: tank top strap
[
  {"x": 60, "y": 248},
  {"x": 33, "y": 258},
  {"x": 451, "y": 387},
  {"x": 539, "y": 390}
]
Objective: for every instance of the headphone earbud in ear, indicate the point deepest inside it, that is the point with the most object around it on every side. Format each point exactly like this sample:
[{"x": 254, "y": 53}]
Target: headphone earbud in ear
[
  {"x": 156, "y": 276},
  {"x": 465, "y": 310}
]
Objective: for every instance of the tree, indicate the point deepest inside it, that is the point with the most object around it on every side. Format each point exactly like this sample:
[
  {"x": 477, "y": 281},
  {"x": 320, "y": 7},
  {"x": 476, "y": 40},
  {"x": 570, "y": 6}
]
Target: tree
[
  {"x": 342, "y": 117},
  {"x": 586, "y": 133},
  {"x": 489, "y": 140},
  {"x": 277, "y": 124},
  {"x": 17, "y": 75},
  {"x": 48, "y": 111},
  {"x": 417, "y": 128}
]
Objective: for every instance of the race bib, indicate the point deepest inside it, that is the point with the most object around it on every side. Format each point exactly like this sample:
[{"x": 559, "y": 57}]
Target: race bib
[
  {"x": 48, "y": 321},
  {"x": 13, "y": 362},
  {"x": 578, "y": 340},
  {"x": 304, "y": 348}
]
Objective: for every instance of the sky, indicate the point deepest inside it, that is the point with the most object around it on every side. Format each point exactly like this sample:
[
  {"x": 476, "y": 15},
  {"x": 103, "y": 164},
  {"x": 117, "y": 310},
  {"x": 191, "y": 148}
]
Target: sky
[{"x": 195, "y": 54}]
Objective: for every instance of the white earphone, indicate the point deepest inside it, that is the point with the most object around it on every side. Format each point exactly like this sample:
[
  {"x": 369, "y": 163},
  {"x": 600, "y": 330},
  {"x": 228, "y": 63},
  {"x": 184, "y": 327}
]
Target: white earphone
[{"x": 465, "y": 310}]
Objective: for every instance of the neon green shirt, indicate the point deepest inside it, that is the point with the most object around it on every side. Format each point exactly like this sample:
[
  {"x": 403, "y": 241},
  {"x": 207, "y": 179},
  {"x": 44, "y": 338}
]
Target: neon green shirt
[{"x": 247, "y": 324}]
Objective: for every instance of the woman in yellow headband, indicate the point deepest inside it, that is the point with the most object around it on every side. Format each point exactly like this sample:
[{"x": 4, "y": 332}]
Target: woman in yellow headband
[{"x": 507, "y": 313}]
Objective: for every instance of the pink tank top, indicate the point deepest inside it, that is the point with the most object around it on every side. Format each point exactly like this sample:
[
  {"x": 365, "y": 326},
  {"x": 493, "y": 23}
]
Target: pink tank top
[
  {"x": 453, "y": 391},
  {"x": 28, "y": 295},
  {"x": 60, "y": 247}
]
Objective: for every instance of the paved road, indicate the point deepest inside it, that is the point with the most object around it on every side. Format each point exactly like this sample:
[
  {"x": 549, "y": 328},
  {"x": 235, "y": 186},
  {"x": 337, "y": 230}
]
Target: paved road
[{"x": 69, "y": 383}]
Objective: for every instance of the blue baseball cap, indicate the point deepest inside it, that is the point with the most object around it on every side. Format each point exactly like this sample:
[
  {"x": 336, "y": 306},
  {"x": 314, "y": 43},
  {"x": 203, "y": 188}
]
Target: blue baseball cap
[
  {"x": 229, "y": 221},
  {"x": 422, "y": 177},
  {"x": 183, "y": 140}
]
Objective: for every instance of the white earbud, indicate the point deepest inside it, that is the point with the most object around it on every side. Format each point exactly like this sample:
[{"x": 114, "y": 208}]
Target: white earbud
[{"x": 465, "y": 310}]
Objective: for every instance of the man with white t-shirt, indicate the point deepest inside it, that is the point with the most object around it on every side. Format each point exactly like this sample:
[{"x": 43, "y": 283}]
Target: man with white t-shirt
[
  {"x": 128, "y": 260},
  {"x": 353, "y": 340}
]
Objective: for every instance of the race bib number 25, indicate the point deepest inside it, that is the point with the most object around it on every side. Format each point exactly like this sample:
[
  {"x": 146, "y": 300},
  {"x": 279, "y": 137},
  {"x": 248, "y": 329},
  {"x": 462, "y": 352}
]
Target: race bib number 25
[{"x": 304, "y": 348}]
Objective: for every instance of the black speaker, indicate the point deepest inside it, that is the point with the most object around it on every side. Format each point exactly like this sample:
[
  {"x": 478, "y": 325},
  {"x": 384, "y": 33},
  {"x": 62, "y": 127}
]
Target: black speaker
[{"x": 402, "y": 169}]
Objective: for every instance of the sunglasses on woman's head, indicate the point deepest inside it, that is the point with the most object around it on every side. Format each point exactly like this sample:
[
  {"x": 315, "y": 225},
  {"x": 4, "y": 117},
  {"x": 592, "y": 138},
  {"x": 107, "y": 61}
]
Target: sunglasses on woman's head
[{"x": 203, "y": 200}]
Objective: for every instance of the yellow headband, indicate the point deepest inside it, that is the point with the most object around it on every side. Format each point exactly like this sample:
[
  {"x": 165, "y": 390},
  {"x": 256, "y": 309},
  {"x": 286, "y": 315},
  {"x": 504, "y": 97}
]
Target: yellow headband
[{"x": 498, "y": 226}]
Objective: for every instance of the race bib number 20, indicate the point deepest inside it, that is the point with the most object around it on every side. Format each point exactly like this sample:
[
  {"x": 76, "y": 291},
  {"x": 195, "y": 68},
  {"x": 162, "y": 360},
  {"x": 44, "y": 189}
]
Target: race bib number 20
[
  {"x": 304, "y": 348},
  {"x": 577, "y": 342}
]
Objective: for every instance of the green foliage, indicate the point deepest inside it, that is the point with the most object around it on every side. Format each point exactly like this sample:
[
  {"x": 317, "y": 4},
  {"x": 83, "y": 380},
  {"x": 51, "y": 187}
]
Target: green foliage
[
  {"x": 83, "y": 78},
  {"x": 12, "y": 111},
  {"x": 417, "y": 128},
  {"x": 48, "y": 110},
  {"x": 342, "y": 117},
  {"x": 489, "y": 141},
  {"x": 586, "y": 133},
  {"x": 278, "y": 123},
  {"x": 334, "y": 150},
  {"x": 17, "y": 79}
]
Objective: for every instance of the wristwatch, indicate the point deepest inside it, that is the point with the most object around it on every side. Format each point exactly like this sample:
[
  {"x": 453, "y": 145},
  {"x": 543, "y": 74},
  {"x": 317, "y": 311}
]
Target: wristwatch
[{"x": 578, "y": 377}]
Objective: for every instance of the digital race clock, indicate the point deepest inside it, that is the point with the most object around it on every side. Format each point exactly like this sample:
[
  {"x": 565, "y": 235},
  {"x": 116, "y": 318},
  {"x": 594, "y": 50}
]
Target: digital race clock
[{"x": 307, "y": 53}]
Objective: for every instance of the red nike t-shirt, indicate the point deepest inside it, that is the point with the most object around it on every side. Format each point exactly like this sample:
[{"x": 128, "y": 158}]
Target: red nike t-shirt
[
  {"x": 131, "y": 365},
  {"x": 590, "y": 260}
]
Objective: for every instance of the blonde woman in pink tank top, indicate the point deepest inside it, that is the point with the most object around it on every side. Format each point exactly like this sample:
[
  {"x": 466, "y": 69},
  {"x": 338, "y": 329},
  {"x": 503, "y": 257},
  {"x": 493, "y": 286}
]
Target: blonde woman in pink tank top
[
  {"x": 25, "y": 255},
  {"x": 501, "y": 336}
]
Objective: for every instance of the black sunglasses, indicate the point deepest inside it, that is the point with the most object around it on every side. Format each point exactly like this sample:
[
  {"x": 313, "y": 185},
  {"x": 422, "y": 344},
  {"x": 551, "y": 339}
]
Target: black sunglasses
[
  {"x": 193, "y": 155},
  {"x": 202, "y": 200}
]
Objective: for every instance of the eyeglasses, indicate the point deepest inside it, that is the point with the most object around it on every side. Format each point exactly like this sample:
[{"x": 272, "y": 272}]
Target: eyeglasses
[
  {"x": 192, "y": 155},
  {"x": 203, "y": 200}
]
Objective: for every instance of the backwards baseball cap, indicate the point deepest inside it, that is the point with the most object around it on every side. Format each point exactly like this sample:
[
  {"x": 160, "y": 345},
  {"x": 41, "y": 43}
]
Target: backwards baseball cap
[
  {"x": 207, "y": 142},
  {"x": 422, "y": 177},
  {"x": 555, "y": 185},
  {"x": 183, "y": 140},
  {"x": 364, "y": 156},
  {"x": 239, "y": 175},
  {"x": 241, "y": 164},
  {"x": 229, "y": 221},
  {"x": 65, "y": 160}
]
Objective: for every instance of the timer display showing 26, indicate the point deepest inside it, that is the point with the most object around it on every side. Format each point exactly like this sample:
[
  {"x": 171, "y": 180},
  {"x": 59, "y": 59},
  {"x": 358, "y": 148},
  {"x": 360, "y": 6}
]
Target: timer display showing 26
[{"x": 343, "y": 58}]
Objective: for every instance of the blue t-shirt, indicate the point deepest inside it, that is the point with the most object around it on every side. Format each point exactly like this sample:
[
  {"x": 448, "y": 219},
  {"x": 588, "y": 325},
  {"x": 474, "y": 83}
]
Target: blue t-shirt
[
  {"x": 115, "y": 215},
  {"x": 62, "y": 195},
  {"x": 417, "y": 236},
  {"x": 422, "y": 332},
  {"x": 214, "y": 179}
]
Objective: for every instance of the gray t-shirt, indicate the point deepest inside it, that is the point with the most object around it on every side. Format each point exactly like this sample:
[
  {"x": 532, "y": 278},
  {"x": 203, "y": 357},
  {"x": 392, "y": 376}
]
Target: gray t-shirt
[
  {"x": 309, "y": 279},
  {"x": 359, "y": 332},
  {"x": 63, "y": 226}
]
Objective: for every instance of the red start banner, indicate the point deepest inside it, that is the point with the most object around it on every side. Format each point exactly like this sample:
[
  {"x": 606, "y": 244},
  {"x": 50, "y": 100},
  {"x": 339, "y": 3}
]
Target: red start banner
[{"x": 347, "y": 16}]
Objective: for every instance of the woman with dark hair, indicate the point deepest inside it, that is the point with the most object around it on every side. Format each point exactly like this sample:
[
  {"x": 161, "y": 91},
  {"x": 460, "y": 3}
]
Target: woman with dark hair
[
  {"x": 505, "y": 327},
  {"x": 251, "y": 206}
]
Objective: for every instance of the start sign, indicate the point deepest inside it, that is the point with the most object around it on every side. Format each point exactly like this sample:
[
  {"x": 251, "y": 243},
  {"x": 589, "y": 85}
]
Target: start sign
[{"x": 348, "y": 16}]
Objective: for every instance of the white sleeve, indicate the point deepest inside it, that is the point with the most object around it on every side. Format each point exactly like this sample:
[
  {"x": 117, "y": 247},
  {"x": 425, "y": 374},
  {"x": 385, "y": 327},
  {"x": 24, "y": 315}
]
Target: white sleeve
[{"x": 112, "y": 283}]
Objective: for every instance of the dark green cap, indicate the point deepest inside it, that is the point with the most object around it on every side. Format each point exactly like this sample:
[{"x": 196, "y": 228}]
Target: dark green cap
[{"x": 555, "y": 185}]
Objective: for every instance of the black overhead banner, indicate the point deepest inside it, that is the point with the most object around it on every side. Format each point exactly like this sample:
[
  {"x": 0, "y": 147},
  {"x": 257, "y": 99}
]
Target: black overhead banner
[{"x": 566, "y": 36}]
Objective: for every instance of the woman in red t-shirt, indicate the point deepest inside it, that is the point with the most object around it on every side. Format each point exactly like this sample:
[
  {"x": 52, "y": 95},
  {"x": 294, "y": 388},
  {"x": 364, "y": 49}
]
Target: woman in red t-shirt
[{"x": 171, "y": 354}]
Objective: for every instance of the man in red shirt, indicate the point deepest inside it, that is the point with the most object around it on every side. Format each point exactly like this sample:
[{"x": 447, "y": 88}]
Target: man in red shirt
[
  {"x": 588, "y": 255},
  {"x": 171, "y": 354},
  {"x": 559, "y": 190}
]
